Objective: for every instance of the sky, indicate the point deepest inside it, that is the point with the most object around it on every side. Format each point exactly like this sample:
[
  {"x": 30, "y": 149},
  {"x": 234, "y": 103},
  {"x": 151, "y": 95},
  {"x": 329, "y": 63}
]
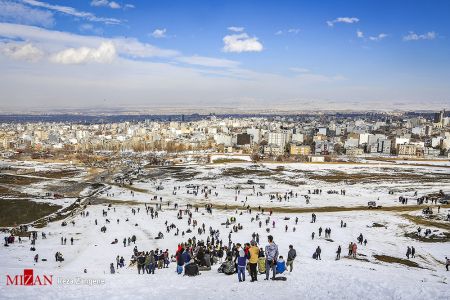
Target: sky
[{"x": 261, "y": 55}]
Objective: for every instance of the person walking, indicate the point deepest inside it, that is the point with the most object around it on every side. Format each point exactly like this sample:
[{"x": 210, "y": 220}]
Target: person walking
[
  {"x": 271, "y": 257},
  {"x": 253, "y": 261},
  {"x": 292, "y": 254}
]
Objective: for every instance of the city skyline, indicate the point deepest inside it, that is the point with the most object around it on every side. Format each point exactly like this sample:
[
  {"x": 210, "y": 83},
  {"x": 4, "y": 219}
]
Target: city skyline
[{"x": 357, "y": 55}]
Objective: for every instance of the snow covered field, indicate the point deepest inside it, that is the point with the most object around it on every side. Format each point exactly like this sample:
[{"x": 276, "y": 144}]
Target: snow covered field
[
  {"x": 361, "y": 182},
  {"x": 388, "y": 233}
]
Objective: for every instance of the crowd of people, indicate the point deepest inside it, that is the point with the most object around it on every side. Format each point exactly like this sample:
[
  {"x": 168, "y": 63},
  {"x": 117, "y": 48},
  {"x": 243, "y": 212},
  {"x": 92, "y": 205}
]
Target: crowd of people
[{"x": 215, "y": 246}]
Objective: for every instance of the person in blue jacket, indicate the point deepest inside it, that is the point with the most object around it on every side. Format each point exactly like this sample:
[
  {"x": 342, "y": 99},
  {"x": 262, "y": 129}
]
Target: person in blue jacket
[
  {"x": 281, "y": 265},
  {"x": 186, "y": 257}
]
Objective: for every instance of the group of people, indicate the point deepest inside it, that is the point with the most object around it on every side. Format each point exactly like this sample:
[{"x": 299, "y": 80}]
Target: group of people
[{"x": 238, "y": 258}]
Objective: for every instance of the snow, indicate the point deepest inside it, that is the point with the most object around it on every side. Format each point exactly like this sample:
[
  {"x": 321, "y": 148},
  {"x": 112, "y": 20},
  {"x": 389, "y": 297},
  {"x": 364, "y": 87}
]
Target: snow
[{"x": 324, "y": 279}]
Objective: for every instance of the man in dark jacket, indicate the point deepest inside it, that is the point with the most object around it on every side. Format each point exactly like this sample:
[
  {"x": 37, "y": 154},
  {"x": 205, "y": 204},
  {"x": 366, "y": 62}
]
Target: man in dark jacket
[
  {"x": 292, "y": 254},
  {"x": 141, "y": 263},
  {"x": 318, "y": 252},
  {"x": 186, "y": 256}
]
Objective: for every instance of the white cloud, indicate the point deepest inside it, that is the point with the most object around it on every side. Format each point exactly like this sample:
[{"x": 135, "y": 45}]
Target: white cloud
[
  {"x": 360, "y": 34},
  {"x": 293, "y": 31},
  {"x": 159, "y": 33},
  {"x": 375, "y": 38},
  {"x": 52, "y": 41},
  {"x": 99, "y": 2},
  {"x": 114, "y": 5},
  {"x": 72, "y": 12},
  {"x": 236, "y": 29},
  {"x": 379, "y": 37},
  {"x": 105, "y": 53},
  {"x": 111, "y": 4},
  {"x": 18, "y": 13},
  {"x": 299, "y": 70},
  {"x": 241, "y": 43},
  {"x": 347, "y": 20},
  {"x": 21, "y": 51},
  {"x": 86, "y": 27},
  {"x": 208, "y": 61},
  {"x": 412, "y": 36},
  {"x": 127, "y": 6},
  {"x": 134, "y": 48}
]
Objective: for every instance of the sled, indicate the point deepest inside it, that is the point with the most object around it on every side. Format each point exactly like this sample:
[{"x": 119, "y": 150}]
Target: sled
[{"x": 280, "y": 278}]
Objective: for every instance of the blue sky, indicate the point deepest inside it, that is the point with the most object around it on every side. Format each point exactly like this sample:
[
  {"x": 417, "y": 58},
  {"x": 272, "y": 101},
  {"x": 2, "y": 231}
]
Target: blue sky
[{"x": 307, "y": 54}]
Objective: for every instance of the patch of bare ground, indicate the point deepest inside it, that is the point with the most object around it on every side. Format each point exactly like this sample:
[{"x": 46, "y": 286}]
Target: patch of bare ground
[
  {"x": 130, "y": 187},
  {"x": 419, "y": 220},
  {"x": 57, "y": 174},
  {"x": 442, "y": 237},
  {"x": 357, "y": 258},
  {"x": 14, "y": 212},
  {"x": 394, "y": 176},
  {"x": 241, "y": 172},
  {"x": 228, "y": 160},
  {"x": 18, "y": 179},
  {"x": 378, "y": 225},
  {"x": 96, "y": 201},
  {"x": 403, "y": 208},
  {"x": 397, "y": 260},
  {"x": 8, "y": 192}
]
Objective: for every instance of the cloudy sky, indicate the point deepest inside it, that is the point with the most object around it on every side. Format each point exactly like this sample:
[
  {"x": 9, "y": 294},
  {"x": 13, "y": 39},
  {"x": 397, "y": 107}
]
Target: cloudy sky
[{"x": 244, "y": 54}]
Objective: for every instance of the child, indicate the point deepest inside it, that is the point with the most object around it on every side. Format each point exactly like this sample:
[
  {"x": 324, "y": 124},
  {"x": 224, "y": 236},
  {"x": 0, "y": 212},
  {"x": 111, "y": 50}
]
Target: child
[{"x": 281, "y": 265}]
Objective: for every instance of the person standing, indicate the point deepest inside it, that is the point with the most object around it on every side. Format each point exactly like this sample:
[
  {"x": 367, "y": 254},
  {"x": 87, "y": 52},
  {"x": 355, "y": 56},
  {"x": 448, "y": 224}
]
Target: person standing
[
  {"x": 292, "y": 254},
  {"x": 447, "y": 262},
  {"x": 318, "y": 252},
  {"x": 140, "y": 263},
  {"x": 241, "y": 262},
  {"x": 180, "y": 260},
  {"x": 338, "y": 253},
  {"x": 271, "y": 257},
  {"x": 253, "y": 261}
]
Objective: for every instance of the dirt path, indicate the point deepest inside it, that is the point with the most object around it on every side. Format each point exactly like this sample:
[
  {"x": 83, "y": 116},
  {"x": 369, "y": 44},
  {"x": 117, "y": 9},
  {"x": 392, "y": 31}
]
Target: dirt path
[{"x": 405, "y": 208}]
